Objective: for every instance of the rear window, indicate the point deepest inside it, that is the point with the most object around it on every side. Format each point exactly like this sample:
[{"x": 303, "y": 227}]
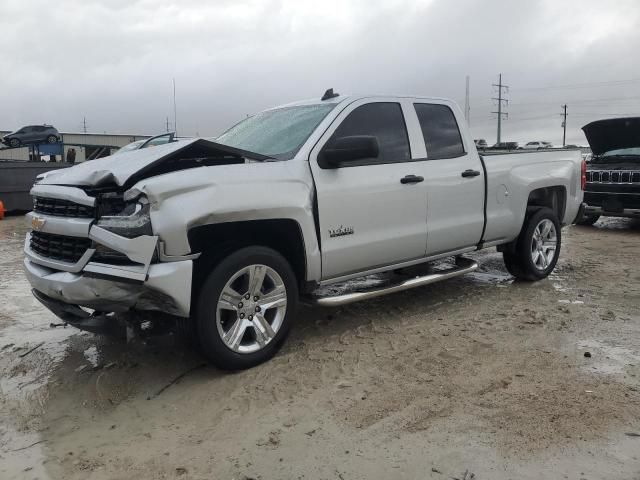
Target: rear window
[{"x": 440, "y": 131}]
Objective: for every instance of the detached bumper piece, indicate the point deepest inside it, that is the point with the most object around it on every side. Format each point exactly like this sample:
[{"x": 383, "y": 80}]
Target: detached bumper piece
[{"x": 75, "y": 316}]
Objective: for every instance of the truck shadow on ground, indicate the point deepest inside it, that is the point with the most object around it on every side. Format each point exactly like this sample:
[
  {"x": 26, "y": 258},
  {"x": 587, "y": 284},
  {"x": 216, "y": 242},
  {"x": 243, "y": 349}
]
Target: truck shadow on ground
[{"x": 113, "y": 369}]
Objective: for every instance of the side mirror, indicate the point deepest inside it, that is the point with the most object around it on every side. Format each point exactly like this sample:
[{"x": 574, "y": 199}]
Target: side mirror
[{"x": 344, "y": 150}]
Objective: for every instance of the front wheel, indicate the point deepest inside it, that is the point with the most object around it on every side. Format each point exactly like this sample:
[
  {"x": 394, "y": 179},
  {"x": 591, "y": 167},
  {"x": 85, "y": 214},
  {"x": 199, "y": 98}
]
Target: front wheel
[
  {"x": 14, "y": 142},
  {"x": 52, "y": 139},
  {"x": 537, "y": 248},
  {"x": 246, "y": 307}
]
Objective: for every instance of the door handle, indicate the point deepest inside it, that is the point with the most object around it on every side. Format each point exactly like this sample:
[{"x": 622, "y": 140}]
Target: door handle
[
  {"x": 411, "y": 179},
  {"x": 470, "y": 173}
]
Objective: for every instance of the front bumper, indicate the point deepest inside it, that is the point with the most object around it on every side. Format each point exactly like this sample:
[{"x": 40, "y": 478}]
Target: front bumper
[{"x": 167, "y": 288}]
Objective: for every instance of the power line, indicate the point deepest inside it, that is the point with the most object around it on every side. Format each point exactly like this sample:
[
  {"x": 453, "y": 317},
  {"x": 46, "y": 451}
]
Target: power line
[
  {"x": 175, "y": 114},
  {"x": 500, "y": 100}
]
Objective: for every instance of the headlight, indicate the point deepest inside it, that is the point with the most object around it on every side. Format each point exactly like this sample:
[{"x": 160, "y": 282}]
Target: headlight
[{"x": 131, "y": 222}]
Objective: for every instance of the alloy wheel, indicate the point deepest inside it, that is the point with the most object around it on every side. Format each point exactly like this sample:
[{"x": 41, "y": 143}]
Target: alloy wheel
[
  {"x": 251, "y": 308},
  {"x": 544, "y": 244}
]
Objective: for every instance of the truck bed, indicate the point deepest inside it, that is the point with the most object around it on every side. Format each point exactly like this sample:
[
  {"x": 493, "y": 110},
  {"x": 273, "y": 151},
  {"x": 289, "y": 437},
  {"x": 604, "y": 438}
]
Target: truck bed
[{"x": 510, "y": 176}]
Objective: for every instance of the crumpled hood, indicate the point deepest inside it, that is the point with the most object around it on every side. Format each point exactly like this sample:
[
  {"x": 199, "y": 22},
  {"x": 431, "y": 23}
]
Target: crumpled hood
[
  {"x": 612, "y": 134},
  {"x": 127, "y": 168}
]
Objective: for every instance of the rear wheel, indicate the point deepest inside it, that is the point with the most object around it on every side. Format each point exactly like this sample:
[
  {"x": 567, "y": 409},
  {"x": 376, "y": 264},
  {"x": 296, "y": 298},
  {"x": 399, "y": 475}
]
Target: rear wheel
[
  {"x": 246, "y": 307},
  {"x": 588, "y": 220},
  {"x": 537, "y": 248}
]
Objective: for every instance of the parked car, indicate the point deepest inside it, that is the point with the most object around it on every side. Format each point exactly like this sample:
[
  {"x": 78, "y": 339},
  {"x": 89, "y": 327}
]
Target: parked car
[
  {"x": 228, "y": 235},
  {"x": 537, "y": 145},
  {"x": 32, "y": 134},
  {"x": 148, "y": 142},
  {"x": 613, "y": 172},
  {"x": 506, "y": 146},
  {"x": 481, "y": 144}
]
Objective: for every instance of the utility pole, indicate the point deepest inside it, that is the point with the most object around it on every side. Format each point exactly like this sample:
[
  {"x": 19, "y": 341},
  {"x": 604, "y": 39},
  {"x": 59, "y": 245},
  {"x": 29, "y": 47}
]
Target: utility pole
[
  {"x": 175, "y": 115},
  {"x": 467, "y": 107},
  {"x": 500, "y": 99},
  {"x": 84, "y": 124},
  {"x": 167, "y": 127},
  {"x": 564, "y": 124}
]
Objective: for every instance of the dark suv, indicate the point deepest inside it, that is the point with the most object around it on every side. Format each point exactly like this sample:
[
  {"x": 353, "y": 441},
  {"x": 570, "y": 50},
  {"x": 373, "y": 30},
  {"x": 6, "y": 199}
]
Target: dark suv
[
  {"x": 613, "y": 174},
  {"x": 32, "y": 134}
]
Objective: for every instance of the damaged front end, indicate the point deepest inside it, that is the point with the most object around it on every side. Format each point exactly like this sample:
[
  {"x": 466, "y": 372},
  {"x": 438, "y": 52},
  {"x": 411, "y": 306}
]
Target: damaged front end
[
  {"x": 107, "y": 260},
  {"x": 92, "y": 248}
]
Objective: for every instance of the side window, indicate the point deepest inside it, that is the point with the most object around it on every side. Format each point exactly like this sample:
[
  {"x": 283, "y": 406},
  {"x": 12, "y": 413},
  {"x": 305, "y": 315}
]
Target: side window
[
  {"x": 39, "y": 129},
  {"x": 440, "y": 131},
  {"x": 385, "y": 122}
]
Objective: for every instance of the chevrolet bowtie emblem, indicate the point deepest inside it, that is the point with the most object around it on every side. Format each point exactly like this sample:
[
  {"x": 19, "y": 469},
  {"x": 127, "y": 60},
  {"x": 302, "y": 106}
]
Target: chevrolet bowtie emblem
[{"x": 37, "y": 223}]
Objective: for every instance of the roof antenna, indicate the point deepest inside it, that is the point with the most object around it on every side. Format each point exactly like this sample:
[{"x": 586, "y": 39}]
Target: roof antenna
[{"x": 329, "y": 95}]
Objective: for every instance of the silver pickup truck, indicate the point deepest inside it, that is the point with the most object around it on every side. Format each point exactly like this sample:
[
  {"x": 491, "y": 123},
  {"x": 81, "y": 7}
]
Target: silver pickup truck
[{"x": 228, "y": 235}]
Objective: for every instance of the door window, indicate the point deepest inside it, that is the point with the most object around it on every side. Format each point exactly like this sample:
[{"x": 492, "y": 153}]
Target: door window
[
  {"x": 440, "y": 131},
  {"x": 383, "y": 120}
]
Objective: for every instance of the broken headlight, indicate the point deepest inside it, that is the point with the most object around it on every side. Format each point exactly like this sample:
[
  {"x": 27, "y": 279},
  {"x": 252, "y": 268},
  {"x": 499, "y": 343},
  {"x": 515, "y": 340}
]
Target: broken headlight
[{"x": 131, "y": 222}]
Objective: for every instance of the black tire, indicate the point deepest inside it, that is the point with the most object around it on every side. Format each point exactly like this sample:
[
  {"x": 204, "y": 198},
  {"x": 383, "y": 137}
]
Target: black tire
[
  {"x": 52, "y": 139},
  {"x": 519, "y": 260},
  {"x": 212, "y": 345},
  {"x": 14, "y": 142},
  {"x": 588, "y": 220}
]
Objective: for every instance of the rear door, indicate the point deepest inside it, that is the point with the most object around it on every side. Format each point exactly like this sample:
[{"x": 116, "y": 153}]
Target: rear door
[
  {"x": 369, "y": 218},
  {"x": 454, "y": 180}
]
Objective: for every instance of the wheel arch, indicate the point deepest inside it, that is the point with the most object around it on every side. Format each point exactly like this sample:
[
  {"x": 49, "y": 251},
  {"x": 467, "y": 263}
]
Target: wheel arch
[
  {"x": 216, "y": 241},
  {"x": 554, "y": 197}
]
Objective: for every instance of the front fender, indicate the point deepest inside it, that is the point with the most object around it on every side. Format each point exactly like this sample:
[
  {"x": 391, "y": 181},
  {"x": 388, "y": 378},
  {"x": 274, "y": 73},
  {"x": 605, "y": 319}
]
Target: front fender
[{"x": 191, "y": 198}]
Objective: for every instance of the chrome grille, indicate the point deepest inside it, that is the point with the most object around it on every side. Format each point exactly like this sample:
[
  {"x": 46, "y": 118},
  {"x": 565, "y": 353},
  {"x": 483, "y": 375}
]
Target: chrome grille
[
  {"x": 59, "y": 247},
  {"x": 613, "y": 176},
  {"x": 62, "y": 208}
]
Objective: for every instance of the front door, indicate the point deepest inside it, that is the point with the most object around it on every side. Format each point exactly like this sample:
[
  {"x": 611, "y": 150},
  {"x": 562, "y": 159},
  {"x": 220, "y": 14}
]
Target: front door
[{"x": 369, "y": 216}]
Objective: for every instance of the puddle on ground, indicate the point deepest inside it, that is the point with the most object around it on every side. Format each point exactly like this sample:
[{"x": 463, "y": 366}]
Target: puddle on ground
[{"x": 609, "y": 359}]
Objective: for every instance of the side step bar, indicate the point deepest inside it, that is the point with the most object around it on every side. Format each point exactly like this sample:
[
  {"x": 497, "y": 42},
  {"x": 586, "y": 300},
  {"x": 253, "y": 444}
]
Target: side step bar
[{"x": 463, "y": 265}]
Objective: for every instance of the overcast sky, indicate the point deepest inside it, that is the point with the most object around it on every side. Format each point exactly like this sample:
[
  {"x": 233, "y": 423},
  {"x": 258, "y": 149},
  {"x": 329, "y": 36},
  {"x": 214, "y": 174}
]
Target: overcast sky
[{"x": 112, "y": 61}]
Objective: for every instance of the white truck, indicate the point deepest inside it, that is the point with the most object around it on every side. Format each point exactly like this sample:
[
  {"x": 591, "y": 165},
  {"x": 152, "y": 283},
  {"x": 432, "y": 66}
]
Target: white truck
[{"x": 228, "y": 235}]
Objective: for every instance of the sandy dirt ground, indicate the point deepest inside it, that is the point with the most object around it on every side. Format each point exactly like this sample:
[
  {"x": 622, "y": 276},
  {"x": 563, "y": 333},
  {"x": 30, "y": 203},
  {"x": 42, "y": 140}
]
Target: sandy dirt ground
[{"x": 476, "y": 377}]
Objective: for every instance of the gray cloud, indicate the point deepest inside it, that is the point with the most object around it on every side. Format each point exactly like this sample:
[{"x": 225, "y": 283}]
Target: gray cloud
[{"x": 113, "y": 61}]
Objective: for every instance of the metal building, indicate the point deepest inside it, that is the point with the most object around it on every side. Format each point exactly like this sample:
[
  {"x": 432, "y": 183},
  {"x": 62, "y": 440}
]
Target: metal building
[{"x": 87, "y": 146}]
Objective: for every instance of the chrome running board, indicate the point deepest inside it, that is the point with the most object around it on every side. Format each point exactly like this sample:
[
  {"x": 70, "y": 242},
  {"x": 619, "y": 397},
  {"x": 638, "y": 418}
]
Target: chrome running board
[{"x": 463, "y": 265}]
